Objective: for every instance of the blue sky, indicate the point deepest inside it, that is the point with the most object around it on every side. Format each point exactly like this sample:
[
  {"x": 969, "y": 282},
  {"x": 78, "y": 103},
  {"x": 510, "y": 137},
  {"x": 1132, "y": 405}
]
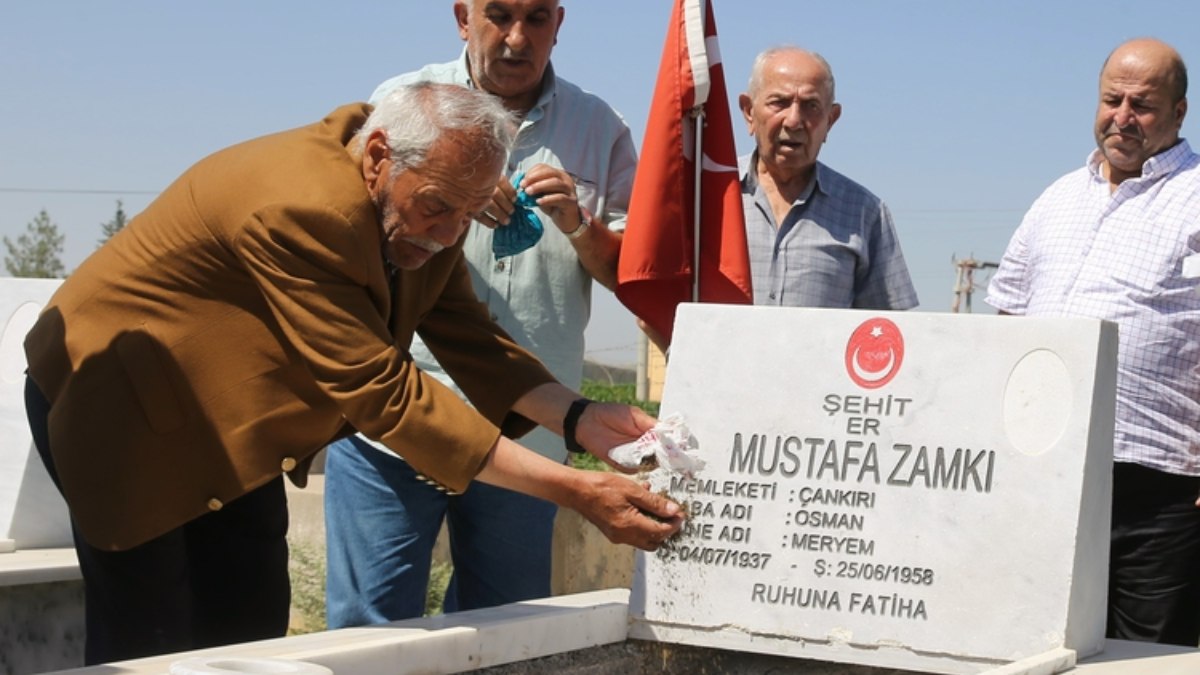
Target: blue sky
[{"x": 958, "y": 114}]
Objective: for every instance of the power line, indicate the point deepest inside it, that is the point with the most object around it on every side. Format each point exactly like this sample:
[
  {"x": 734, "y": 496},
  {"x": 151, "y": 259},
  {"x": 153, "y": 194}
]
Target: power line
[
  {"x": 951, "y": 228},
  {"x": 82, "y": 191},
  {"x": 613, "y": 349},
  {"x": 981, "y": 210},
  {"x": 71, "y": 191}
]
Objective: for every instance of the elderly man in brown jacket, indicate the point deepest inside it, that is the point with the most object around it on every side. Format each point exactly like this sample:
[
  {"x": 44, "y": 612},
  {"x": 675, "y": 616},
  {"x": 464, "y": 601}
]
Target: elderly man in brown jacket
[{"x": 261, "y": 307}]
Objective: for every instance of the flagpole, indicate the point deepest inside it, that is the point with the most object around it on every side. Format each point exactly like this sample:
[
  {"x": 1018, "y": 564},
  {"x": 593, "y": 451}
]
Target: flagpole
[
  {"x": 698, "y": 121},
  {"x": 698, "y": 128}
]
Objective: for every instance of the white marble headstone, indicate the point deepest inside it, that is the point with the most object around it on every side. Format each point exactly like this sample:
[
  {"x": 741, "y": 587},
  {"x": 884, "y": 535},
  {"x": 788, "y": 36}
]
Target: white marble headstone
[
  {"x": 32, "y": 512},
  {"x": 913, "y": 490}
]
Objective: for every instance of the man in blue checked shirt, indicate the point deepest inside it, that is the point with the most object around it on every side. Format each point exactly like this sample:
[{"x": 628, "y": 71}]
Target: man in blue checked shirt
[
  {"x": 1119, "y": 239},
  {"x": 816, "y": 238}
]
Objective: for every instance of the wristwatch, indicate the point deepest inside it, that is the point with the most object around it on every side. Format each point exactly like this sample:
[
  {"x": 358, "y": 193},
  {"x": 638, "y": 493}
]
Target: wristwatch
[
  {"x": 570, "y": 421},
  {"x": 585, "y": 221}
]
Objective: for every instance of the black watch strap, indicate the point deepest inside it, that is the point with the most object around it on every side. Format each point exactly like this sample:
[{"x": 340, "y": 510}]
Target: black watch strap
[{"x": 571, "y": 421}]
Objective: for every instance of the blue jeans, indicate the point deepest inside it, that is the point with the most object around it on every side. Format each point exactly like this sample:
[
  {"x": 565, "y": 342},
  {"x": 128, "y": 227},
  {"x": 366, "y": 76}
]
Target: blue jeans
[{"x": 380, "y": 526}]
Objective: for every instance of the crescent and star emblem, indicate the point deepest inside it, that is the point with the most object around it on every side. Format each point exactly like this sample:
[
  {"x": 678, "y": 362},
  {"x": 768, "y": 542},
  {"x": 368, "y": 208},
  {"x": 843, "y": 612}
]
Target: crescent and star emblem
[{"x": 874, "y": 353}]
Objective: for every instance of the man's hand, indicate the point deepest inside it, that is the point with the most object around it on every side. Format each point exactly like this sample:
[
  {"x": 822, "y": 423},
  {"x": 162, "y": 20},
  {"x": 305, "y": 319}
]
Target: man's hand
[
  {"x": 604, "y": 426},
  {"x": 626, "y": 512},
  {"x": 504, "y": 200},
  {"x": 554, "y": 190}
]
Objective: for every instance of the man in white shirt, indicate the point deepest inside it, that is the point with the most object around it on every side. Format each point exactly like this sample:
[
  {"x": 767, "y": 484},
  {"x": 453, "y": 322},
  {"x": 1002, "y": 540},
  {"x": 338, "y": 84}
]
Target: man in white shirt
[{"x": 1119, "y": 240}]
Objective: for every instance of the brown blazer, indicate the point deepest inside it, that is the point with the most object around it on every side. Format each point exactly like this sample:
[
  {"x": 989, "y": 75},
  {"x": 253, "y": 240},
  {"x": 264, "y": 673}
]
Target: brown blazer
[{"x": 245, "y": 320}]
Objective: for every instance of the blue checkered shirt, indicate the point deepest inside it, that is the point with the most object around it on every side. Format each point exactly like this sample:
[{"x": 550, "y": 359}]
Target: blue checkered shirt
[
  {"x": 837, "y": 246},
  {"x": 1133, "y": 257}
]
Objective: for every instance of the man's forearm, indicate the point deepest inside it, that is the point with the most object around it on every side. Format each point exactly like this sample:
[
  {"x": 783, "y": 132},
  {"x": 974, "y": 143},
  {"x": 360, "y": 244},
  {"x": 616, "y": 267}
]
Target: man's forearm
[
  {"x": 598, "y": 249},
  {"x": 546, "y": 404},
  {"x": 512, "y": 466}
]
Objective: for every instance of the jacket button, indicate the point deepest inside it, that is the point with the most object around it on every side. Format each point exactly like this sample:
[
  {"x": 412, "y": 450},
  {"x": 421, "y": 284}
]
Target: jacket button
[
  {"x": 288, "y": 463},
  {"x": 215, "y": 504}
]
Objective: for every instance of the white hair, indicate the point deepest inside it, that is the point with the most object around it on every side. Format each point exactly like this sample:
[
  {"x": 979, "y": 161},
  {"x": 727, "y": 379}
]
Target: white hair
[
  {"x": 760, "y": 63},
  {"x": 415, "y": 116}
]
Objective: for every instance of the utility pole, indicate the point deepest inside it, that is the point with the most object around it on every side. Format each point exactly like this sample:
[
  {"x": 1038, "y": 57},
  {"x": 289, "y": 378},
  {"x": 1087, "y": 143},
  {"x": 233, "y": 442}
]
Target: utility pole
[
  {"x": 964, "y": 281},
  {"x": 642, "y": 388}
]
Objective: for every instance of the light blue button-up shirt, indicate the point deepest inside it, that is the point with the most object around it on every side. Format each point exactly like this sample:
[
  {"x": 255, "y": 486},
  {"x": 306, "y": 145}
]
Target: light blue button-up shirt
[{"x": 542, "y": 296}]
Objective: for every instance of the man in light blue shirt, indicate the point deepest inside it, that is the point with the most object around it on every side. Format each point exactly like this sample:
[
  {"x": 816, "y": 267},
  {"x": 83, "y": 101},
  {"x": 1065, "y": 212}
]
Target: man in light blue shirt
[
  {"x": 578, "y": 160},
  {"x": 816, "y": 238}
]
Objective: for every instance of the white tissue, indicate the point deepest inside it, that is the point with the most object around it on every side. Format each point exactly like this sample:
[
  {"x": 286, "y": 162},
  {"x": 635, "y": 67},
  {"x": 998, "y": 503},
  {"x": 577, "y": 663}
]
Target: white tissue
[
  {"x": 669, "y": 443},
  {"x": 225, "y": 665}
]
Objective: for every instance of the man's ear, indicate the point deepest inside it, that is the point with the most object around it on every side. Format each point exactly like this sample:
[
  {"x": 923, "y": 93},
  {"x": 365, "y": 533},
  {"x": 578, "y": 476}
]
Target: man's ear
[
  {"x": 375, "y": 154},
  {"x": 835, "y": 111},
  {"x": 747, "y": 105},
  {"x": 462, "y": 11},
  {"x": 562, "y": 14}
]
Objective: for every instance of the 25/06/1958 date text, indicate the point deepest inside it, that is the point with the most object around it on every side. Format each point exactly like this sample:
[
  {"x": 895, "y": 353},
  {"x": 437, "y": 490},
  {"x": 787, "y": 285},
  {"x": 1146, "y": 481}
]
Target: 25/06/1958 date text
[{"x": 921, "y": 576}]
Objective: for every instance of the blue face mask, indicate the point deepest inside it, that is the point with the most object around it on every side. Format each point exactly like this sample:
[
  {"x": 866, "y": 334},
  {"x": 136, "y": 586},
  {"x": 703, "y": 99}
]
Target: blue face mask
[{"x": 524, "y": 229}]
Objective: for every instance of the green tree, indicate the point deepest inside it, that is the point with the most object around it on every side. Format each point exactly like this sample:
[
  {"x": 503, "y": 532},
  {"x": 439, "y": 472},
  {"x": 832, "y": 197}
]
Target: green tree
[
  {"x": 113, "y": 226},
  {"x": 38, "y": 252}
]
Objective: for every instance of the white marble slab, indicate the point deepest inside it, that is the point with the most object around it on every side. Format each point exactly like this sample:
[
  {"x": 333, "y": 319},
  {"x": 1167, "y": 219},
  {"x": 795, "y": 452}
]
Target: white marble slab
[
  {"x": 32, "y": 512},
  {"x": 912, "y": 490},
  {"x": 525, "y": 631},
  {"x": 39, "y": 566},
  {"x": 453, "y": 643}
]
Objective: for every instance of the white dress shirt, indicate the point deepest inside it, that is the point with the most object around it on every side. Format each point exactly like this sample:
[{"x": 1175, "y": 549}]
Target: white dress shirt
[{"x": 1129, "y": 256}]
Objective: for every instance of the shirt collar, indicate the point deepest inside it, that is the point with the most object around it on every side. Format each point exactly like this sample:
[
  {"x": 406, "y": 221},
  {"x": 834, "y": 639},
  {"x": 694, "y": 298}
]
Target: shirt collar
[
  {"x": 749, "y": 166},
  {"x": 1159, "y": 166}
]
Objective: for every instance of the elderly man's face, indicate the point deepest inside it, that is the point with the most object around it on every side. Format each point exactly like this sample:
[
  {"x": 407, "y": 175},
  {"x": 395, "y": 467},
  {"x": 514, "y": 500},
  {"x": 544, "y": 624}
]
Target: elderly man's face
[
  {"x": 1137, "y": 117},
  {"x": 791, "y": 113},
  {"x": 427, "y": 208},
  {"x": 509, "y": 44}
]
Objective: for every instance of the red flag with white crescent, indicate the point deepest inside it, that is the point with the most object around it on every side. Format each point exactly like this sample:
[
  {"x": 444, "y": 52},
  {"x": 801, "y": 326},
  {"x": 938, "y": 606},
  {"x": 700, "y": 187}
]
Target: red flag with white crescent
[{"x": 656, "y": 266}]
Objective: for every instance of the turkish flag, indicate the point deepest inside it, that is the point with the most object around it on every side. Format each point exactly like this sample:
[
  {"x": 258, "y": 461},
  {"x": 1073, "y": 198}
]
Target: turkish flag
[{"x": 656, "y": 266}]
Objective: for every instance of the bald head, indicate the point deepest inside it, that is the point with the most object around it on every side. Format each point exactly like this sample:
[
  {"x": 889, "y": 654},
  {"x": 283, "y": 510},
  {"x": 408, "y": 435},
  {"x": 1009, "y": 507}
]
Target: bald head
[
  {"x": 790, "y": 56},
  {"x": 1157, "y": 58}
]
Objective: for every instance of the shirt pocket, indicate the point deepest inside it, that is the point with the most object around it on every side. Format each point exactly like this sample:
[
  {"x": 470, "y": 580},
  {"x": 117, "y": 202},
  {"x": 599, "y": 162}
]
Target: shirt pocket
[
  {"x": 1153, "y": 268},
  {"x": 587, "y": 192}
]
